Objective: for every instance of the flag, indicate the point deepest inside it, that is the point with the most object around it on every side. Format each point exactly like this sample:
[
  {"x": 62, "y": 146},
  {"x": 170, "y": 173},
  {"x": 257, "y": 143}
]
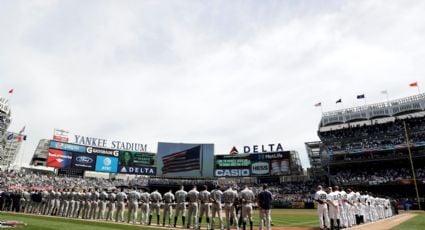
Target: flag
[
  {"x": 318, "y": 104},
  {"x": 384, "y": 92},
  {"x": 361, "y": 96},
  {"x": 11, "y": 91},
  {"x": 186, "y": 160},
  {"x": 339, "y": 101},
  {"x": 414, "y": 84},
  {"x": 22, "y": 130}
]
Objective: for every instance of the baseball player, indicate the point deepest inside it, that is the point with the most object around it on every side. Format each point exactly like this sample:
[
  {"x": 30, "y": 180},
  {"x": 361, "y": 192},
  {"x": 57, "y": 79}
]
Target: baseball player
[
  {"x": 192, "y": 212},
  {"x": 71, "y": 206},
  {"x": 103, "y": 197},
  {"x": 168, "y": 207},
  {"x": 181, "y": 196},
  {"x": 145, "y": 212},
  {"x": 133, "y": 205},
  {"x": 216, "y": 196},
  {"x": 204, "y": 198},
  {"x": 156, "y": 198},
  {"x": 58, "y": 195},
  {"x": 94, "y": 203},
  {"x": 229, "y": 197},
  {"x": 322, "y": 208},
  {"x": 247, "y": 199},
  {"x": 121, "y": 197},
  {"x": 111, "y": 205},
  {"x": 333, "y": 201}
]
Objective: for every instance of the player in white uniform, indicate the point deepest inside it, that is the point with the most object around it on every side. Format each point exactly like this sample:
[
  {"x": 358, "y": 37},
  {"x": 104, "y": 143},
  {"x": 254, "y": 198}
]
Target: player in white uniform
[
  {"x": 204, "y": 198},
  {"x": 322, "y": 208},
  {"x": 111, "y": 205},
  {"x": 333, "y": 202}
]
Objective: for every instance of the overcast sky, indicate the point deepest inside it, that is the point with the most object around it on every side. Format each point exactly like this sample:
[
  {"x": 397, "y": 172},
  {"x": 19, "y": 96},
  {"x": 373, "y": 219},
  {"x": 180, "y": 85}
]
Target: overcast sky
[{"x": 232, "y": 73}]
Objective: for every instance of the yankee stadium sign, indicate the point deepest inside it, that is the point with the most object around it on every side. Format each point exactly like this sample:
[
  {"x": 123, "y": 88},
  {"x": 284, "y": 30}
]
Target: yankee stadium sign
[{"x": 103, "y": 143}]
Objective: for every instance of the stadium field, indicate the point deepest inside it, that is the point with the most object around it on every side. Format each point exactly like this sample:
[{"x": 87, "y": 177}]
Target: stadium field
[
  {"x": 292, "y": 219},
  {"x": 280, "y": 218}
]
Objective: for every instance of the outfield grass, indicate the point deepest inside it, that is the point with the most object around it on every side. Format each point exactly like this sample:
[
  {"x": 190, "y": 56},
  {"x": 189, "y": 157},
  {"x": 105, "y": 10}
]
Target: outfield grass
[
  {"x": 280, "y": 218},
  {"x": 418, "y": 222}
]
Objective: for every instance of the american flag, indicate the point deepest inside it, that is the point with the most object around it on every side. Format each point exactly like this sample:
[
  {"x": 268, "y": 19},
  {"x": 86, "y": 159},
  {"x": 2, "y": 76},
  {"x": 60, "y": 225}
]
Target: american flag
[{"x": 186, "y": 160}]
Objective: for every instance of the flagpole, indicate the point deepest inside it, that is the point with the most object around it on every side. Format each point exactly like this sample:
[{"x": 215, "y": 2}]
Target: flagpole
[{"x": 411, "y": 164}]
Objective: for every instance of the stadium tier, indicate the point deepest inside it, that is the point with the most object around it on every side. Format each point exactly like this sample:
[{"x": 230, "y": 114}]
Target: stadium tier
[{"x": 368, "y": 147}]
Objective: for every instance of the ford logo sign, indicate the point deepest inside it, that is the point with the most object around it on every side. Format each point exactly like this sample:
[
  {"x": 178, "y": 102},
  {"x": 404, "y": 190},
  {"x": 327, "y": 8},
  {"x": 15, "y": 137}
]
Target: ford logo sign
[{"x": 84, "y": 159}]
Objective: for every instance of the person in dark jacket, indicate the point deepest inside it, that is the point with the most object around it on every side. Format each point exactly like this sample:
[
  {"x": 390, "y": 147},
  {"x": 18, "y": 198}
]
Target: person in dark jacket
[
  {"x": 15, "y": 196},
  {"x": 264, "y": 200}
]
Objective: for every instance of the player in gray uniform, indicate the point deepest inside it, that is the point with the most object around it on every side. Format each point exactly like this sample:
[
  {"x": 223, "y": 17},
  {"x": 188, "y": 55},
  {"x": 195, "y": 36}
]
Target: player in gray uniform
[
  {"x": 44, "y": 202},
  {"x": 181, "y": 196},
  {"x": 247, "y": 199},
  {"x": 192, "y": 212},
  {"x": 87, "y": 204},
  {"x": 133, "y": 205},
  {"x": 51, "y": 202},
  {"x": 111, "y": 205},
  {"x": 168, "y": 207},
  {"x": 27, "y": 197},
  {"x": 121, "y": 197},
  {"x": 156, "y": 205},
  {"x": 94, "y": 203},
  {"x": 230, "y": 196},
  {"x": 216, "y": 196},
  {"x": 58, "y": 195},
  {"x": 66, "y": 197},
  {"x": 80, "y": 203},
  {"x": 71, "y": 206},
  {"x": 145, "y": 212},
  {"x": 204, "y": 198},
  {"x": 103, "y": 197}
]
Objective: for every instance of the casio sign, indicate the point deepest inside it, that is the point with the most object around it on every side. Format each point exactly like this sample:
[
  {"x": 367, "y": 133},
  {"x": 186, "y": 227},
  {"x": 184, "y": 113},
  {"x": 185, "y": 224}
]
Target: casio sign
[
  {"x": 84, "y": 159},
  {"x": 260, "y": 168},
  {"x": 231, "y": 172}
]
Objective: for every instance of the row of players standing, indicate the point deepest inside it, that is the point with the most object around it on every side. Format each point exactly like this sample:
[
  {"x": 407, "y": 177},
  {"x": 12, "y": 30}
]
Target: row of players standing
[
  {"x": 92, "y": 204},
  {"x": 341, "y": 209}
]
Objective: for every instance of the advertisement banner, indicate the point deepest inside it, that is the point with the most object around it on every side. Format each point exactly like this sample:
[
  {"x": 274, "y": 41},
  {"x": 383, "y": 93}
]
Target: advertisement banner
[
  {"x": 139, "y": 170},
  {"x": 59, "y": 158},
  {"x": 232, "y": 172},
  {"x": 83, "y": 161},
  {"x": 128, "y": 158},
  {"x": 103, "y": 151},
  {"x": 232, "y": 165},
  {"x": 106, "y": 164},
  {"x": 273, "y": 164},
  {"x": 67, "y": 147}
]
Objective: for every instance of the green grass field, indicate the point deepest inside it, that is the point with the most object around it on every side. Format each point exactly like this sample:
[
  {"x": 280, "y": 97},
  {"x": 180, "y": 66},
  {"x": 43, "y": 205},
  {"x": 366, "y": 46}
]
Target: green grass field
[{"x": 280, "y": 217}]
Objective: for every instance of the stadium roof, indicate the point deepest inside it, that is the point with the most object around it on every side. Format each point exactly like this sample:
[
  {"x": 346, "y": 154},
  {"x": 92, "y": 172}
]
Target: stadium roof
[{"x": 391, "y": 108}]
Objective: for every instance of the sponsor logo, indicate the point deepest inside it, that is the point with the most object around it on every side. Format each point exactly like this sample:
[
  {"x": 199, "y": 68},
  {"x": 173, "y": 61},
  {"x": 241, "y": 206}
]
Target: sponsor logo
[
  {"x": 232, "y": 172},
  {"x": 84, "y": 159},
  {"x": 106, "y": 164},
  {"x": 102, "y": 151},
  {"x": 260, "y": 168},
  {"x": 138, "y": 170}
]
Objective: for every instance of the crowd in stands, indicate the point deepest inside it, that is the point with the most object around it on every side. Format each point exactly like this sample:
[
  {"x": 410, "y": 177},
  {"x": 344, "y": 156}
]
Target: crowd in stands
[
  {"x": 373, "y": 176},
  {"x": 383, "y": 135}
]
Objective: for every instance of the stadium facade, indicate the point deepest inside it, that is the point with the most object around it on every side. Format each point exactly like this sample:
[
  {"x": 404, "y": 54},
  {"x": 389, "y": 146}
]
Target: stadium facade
[
  {"x": 10, "y": 142},
  {"x": 378, "y": 148}
]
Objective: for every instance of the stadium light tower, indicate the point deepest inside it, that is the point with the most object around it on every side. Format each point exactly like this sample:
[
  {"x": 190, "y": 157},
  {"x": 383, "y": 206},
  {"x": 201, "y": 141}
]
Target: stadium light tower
[{"x": 411, "y": 164}]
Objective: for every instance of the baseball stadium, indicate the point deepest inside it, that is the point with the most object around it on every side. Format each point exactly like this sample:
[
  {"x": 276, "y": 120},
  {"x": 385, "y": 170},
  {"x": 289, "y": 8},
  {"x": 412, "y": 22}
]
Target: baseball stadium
[{"x": 367, "y": 172}]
